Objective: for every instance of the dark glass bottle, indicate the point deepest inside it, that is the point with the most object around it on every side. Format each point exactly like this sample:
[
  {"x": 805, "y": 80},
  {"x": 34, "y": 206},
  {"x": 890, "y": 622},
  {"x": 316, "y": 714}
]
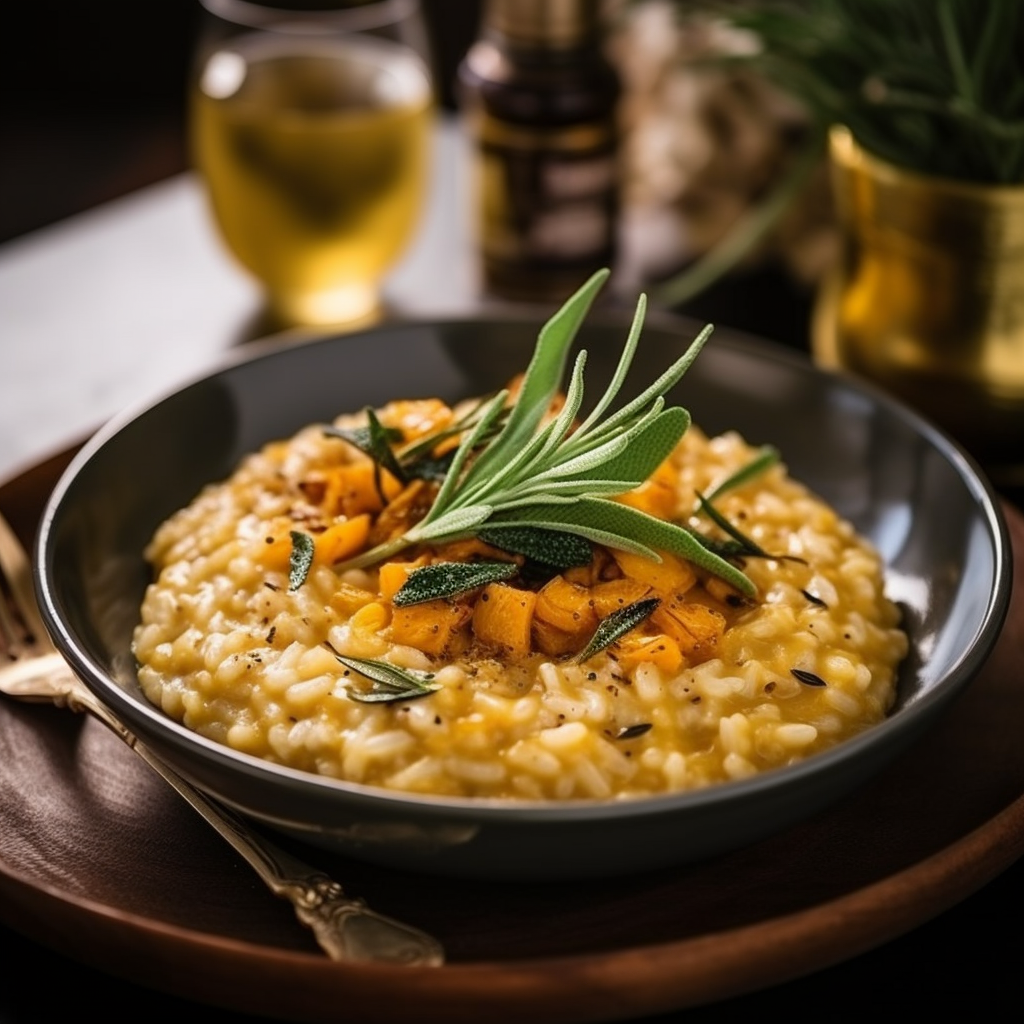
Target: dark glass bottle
[{"x": 540, "y": 101}]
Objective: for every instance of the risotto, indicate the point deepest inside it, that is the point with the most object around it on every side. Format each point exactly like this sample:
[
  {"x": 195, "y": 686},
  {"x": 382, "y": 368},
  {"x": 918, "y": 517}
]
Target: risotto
[
  {"x": 511, "y": 599},
  {"x": 499, "y": 688}
]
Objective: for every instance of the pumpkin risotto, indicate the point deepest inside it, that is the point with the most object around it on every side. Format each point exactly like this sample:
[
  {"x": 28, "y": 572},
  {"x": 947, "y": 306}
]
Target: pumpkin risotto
[{"x": 473, "y": 664}]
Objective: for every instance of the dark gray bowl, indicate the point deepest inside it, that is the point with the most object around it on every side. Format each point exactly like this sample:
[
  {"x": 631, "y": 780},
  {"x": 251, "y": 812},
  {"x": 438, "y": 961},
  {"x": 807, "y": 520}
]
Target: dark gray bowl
[{"x": 901, "y": 482}]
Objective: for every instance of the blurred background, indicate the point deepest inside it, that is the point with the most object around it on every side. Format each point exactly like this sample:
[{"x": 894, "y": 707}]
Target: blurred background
[{"x": 87, "y": 118}]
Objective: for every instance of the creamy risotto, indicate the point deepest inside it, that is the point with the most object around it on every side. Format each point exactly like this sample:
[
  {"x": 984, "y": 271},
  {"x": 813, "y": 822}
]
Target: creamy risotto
[{"x": 258, "y": 633}]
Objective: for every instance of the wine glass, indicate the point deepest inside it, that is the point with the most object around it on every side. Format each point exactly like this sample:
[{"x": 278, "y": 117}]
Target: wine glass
[{"x": 311, "y": 133}]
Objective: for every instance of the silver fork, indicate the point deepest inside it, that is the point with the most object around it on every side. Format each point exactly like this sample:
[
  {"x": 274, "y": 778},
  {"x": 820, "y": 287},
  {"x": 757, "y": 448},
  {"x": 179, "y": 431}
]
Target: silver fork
[{"x": 32, "y": 669}]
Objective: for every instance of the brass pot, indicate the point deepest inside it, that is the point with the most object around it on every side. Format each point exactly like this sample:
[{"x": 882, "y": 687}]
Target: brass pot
[{"x": 927, "y": 300}]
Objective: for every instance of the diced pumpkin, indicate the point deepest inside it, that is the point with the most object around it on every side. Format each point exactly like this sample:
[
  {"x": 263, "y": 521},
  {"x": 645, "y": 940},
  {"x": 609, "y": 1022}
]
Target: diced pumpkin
[
  {"x": 370, "y": 618},
  {"x": 637, "y": 649},
  {"x": 346, "y": 600},
  {"x": 672, "y": 575},
  {"x": 564, "y": 618},
  {"x": 392, "y": 575},
  {"x": 566, "y": 606},
  {"x": 695, "y": 627},
  {"x": 341, "y": 540},
  {"x": 416, "y": 418},
  {"x": 657, "y": 495},
  {"x": 411, "y": 505},
  {"x": 611, "y": 595},
  {"x": 274, "y": 550},
  {"x": 555, "y": 642},
  {"x": 602, "y": 567},
  {"x": 353, "y": 488},
  {"x": 469, "y": 550},
  {"x": 502, "y": 617},
  {"x": 432, "y": 626}
]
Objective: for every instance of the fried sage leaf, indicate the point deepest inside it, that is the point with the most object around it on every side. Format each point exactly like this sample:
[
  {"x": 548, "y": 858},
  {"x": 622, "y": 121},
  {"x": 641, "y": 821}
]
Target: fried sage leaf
[
  {"x": 446, "y": 579},
  {"x": 300, "y": 560},
  {"x": 617, "y": 625},
  {"x": 388, "y": 683},
  {"x": 549, "y": 547}
]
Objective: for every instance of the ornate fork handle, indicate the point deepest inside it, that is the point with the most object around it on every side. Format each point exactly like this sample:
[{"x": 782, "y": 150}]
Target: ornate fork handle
[{"x": 345, "y": 927}]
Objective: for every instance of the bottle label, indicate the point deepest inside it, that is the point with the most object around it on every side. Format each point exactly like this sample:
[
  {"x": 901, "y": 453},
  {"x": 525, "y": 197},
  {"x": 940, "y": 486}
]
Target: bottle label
[{"x": 548, "y": 197}]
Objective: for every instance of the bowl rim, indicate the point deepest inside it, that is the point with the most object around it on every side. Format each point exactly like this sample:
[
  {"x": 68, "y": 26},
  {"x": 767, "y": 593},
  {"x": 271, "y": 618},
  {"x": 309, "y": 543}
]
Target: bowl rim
[{"x": 968, "y": 663}]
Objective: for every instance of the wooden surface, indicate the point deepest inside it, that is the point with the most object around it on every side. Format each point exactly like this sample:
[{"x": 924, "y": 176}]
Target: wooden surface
[{"x": 93, "y": 844}]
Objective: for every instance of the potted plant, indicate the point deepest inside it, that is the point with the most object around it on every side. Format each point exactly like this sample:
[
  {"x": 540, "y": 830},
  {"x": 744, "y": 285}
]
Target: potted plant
[{"x": 921, "y": 109}]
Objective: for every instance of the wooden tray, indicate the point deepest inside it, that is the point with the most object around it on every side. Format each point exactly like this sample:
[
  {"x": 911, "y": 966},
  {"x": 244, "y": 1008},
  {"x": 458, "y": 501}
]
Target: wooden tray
[{"x": 101, "y": 862}]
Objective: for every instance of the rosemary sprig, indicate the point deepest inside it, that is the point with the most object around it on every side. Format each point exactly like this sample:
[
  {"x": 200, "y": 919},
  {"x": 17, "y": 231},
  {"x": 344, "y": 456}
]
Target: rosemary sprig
[
  {"x": 388, "y": 683},
  {"x": 548, "y": 472}
]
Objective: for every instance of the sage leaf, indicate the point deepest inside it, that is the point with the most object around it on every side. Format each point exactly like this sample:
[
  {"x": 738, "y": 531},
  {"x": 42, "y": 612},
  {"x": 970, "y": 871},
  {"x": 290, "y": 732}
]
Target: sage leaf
[
  {"x": 389, "y": 683},
  {"x": 616, "y": 525},
  {"x": 542, "y": 378},
  {"x": 446, "y": 579},
  {"x": 549, "y": 547},
  {"x": 300, "y": 560},
  {"x": 617, "y": 625}
]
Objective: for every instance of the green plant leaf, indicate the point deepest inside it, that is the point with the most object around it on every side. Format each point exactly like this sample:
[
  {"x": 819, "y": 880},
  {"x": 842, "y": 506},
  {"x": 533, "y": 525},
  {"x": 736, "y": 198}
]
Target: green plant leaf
[
  {"x": 766, "y": 457},
  {"x": 388, "y": 683},
  {"x": 619, "y": 526},
  {"x": 549, "y": 547},
  {"x": 542, "y": 378},
  {"x": 446, "y": 579},
  {"x": 300, "y": 560},
  {"x": 616, "y": 625}
]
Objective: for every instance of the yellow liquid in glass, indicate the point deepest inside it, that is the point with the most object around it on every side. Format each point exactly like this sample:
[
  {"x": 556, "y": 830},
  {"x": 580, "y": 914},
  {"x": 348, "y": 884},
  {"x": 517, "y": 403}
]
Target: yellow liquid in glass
[{"x": 315, "y": 157}]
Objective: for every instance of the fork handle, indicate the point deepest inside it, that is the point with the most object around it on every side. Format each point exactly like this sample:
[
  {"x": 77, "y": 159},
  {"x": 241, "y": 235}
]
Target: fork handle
[{"x": 345, "y": 927}]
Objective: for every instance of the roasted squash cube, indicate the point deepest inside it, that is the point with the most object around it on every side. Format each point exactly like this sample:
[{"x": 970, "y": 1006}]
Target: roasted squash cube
[
  {"x": 502, "y": 617},
  {"x": 434, "y": 627},
  {"x": 613, "y": 595},
  {"x": 566, "y": 606},
  {"x": 637, "y": 649},
  {"x": 672, "y": 575},
  {"x": 341, "y": 540},
  {"x": 695, "y": 627}
]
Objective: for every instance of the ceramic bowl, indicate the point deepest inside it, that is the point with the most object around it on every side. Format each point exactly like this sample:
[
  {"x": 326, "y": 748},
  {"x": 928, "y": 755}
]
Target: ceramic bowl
[{"x": 900, "y": 481}]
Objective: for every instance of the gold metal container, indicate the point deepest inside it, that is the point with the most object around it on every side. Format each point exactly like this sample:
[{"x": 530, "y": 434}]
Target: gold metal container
[{"x": 927, "y": 300}]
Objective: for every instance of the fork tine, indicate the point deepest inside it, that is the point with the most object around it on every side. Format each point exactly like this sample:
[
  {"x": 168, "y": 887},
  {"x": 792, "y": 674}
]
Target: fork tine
[{"x": 20, "y": 622}]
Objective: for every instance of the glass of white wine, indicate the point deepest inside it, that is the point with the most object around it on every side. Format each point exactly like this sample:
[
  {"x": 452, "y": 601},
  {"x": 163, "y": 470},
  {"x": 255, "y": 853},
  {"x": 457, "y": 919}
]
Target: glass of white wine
[{"x": 310, "y": 130}]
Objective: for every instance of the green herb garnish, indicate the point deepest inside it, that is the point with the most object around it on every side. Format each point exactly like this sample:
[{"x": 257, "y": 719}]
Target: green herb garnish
[
  {"x": 389, "y": 683},
  {"x": 446, "y": 579},
  {"x": 300, "y": 560},
  {"x": 744, "y": 544},
  {"x": 617, "y": 625},
  {"x": 553, "y": 548},
  {"x": 374, "y": 440},
  {"x": 766, "y": 457},
  {"x": 552, "y": 473}
]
